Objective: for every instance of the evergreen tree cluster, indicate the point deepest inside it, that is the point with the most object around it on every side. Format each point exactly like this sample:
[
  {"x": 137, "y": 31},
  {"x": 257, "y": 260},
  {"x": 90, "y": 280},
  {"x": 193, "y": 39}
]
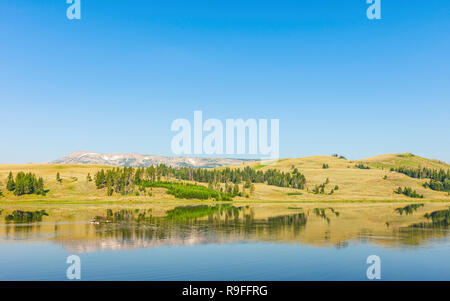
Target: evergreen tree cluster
[
  {"x": 247, "y": 175},
  {"x": 123, "y": 179},
  {"x": 408, "y": 191},
  {"x": 439, "y": 179},
  {"x": 119, "y": 180},
  {"x": 25, "y": 183},
  {"x": 320, "y": 189},
  {"x": 129, "y": 180},
  {"x": 438, "y": 186},
  {"x": 362, "y": 166},
  {"x": 281, "y": 179}
]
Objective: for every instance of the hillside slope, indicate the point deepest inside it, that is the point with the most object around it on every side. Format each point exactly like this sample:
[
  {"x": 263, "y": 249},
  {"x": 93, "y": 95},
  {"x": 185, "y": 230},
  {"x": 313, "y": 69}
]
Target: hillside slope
[
  {"x": 375, "y": 184},
  {"x": 405, "y": 160},
  {"x": 354, "y": 183}
]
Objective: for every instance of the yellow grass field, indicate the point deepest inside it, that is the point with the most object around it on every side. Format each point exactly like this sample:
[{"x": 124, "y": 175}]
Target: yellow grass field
[{"x": 355, "y": 185}]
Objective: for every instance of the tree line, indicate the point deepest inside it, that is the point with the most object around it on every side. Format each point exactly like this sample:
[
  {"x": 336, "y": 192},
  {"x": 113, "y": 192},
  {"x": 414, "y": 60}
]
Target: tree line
[
  {"x": 121, "y": 178},
  {"x": 125, "y": 180},
  {"x": 246, "y": 175},
  {"x": 439, "y": 179}
]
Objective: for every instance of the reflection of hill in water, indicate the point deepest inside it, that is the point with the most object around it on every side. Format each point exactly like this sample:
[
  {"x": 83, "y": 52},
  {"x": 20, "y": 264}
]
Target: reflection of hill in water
[{"x": 115, "y": 229}]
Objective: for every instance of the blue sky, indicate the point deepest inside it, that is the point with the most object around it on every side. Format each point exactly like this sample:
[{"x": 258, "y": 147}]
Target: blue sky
[{"x": 116, "y": 79}]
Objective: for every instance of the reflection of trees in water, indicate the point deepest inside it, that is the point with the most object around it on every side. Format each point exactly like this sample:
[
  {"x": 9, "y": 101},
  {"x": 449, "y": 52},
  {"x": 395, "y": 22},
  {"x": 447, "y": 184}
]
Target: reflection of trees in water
[
  {"x": 19, "y": 216},
  {"x": 21, "y": 231},
  {"x": 195, "y": 222},
  {"x": 415, "y": 236},
  {"x": 437, "y": 226},
  {"x": 23, "y": 224},
  {"x": 341, "y": 244},
  {"x": 410, "y": 209},
  {"x": 440, "y": 219},
  {"x": 293, "y": 222},
  {"x": 322, "y": 213}
]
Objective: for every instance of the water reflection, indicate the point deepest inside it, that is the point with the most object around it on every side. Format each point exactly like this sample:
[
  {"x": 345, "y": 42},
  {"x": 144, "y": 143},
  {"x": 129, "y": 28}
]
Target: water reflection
[
  {"x": 194, "y": 225},
  {"x": 19, "y": 216},
  {"x": 322, "y": 212},
  {"x": 83, "y": 229},
  {"x": 409, "y": 209},
  {"x": 439, "y": 220}
]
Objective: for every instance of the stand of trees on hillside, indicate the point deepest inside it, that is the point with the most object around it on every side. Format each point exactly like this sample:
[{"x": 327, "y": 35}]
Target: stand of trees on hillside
[
  {"x": 439, "y": 179},
  {"x": 408, "y": 191},
  {"x": 337, "y": 156},
  {"x": 362, "y": 166},
  {"x": 123, "y": 180},
  {"x": 25, "y": 183},
  {"x": 320, "y": 189},
  {"x": 236, "y": 176}
]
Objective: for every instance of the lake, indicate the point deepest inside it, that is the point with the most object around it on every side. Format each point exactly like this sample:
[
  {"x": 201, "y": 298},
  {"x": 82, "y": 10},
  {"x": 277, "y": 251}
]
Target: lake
[{"x": 182, "y": 241}]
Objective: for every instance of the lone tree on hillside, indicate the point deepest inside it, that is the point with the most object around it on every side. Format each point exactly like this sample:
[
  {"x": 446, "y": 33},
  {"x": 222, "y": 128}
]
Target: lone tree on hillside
[{"x": 58, "y": 178}]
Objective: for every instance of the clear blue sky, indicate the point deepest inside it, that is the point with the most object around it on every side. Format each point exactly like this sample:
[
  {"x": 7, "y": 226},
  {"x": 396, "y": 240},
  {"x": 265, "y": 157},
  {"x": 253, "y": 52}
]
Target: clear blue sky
[{"x": 116, "y": 79}]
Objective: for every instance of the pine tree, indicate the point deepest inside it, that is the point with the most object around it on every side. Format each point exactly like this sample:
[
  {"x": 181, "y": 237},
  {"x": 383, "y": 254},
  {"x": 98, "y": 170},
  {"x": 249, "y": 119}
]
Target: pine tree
[
  {"x": 10, "y": 185},
  {"x": 247, "y": 184},
  {"x": 58, "y": 178},
  {"x": 236, "y": 189},
  {"x": 100, "y": 178},
  {"x": 110, "y": 191},
  {"x": 40, "y": 186}
]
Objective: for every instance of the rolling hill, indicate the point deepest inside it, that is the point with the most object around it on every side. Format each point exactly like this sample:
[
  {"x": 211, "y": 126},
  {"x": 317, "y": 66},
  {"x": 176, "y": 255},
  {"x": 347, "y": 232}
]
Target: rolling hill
[{"x": 353, "y": 184}]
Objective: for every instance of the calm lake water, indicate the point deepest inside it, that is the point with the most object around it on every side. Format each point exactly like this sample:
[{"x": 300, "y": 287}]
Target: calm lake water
[{"x": 226, "y": 242}]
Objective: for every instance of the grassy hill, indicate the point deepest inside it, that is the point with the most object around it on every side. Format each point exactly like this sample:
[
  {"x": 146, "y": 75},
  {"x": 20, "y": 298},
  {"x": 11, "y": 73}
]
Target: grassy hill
[
  {"x": 354, "y": 184},
  {"x": 407, "y": 159}
]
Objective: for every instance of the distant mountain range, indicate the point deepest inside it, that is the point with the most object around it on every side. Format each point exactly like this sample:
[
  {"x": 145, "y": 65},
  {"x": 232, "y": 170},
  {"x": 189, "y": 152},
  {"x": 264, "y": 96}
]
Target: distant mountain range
[{"x": 135, "y": 160}]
